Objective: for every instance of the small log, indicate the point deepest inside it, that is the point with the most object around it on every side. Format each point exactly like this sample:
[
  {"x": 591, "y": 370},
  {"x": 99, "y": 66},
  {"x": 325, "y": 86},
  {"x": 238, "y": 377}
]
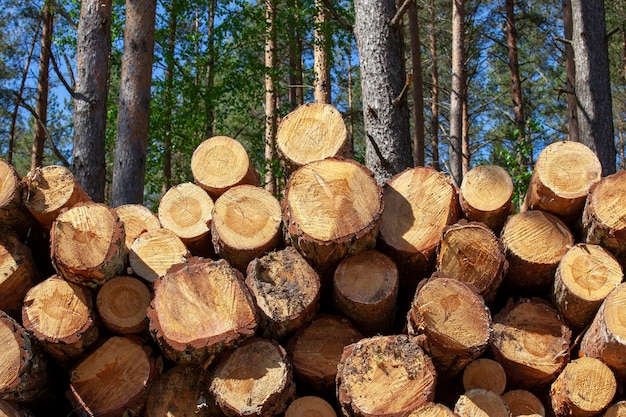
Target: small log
[
  {"x": 534, "y": 242},
  {"x": 18, "y": 272},
  {"x": 431, "y": 409},
  {"x": 246, "y": 224},
  {"x": 471, "y": 253},
  {"x": 561, "y": 179},
  {"x": 616, "y": 410},
  {"x": 156, "y": 251},
  {"x": 584, "y": 278},
  {"x": 220, "y": 163},
  {"x": 13, "y": 212},
  {"x": 59, "y": 314},
  {"x": 137, "y": 219},
  {"x": 484, "y": 373},
  {"x": 198, "y": 309},
  {"x": 286, "y": 290},
  {"x": 365, "y": 289},
  {"x": 311, "y": 132},
  {"x": 523, "y": 403},
  {"x": 87, "y": 244},
  {"x": 186, "y": 209},
  {"x": 455, "y": 322},
  {"x": 113, "y": 380},
  {"x": 384, "y": 376},
  {"x": 121, "y": 303},
  {"x": 481, "y": 403},
  {"x": 531, "y": 342},
  {"x": 486, "y": 195},
  {"x": 585, "y": 388},
  {"x": 255, "y": 379},
  {"x": 309, "y": 406},
  {"x": 10, "y": 409},
  {"x": 331, "y": 209}
]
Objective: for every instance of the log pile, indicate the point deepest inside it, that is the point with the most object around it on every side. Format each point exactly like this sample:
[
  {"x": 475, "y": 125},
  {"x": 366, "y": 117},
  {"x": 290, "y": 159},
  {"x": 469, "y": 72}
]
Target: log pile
[{"x": 342, "y": 297}]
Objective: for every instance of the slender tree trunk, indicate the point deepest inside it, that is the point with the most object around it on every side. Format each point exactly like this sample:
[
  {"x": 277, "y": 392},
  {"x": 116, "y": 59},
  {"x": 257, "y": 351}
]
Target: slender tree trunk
[
  {"x": 418, "y": 86},
  {"x": 270, "y": 94},
  {"x": 321, "y": 51},
  {"x": 350, "y": 104},
  {"x": 93, "y": 44},
  {"x": 456, "y": 93},
  {"x": 169, "y": 99},
  {"x": 209, "y": 106},
  {"x": 129, "y": 168},
  {"x": 434, "y": 92},
  {"x": 516, "y": 83},
  {"x": 296, "y": 96},
  {"x": 465, "y": 143},
  {"x": 36, "y": 155},
  {"x": 570, "y": 72}
]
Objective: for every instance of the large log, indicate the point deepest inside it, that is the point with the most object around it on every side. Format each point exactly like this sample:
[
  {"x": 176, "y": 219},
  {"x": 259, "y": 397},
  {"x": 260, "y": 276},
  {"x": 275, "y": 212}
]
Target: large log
[
  {"x": 484, "y": 373},
  {"x": 121, "y": 303},
  {"x": 137, "y": 219},
  {"x": 481, "y": 403},
  {"x": 156, "y": 251},
  {"x": 18, "y": 272},
  {"x": 523, "y": 403},
  {"x": 13, "y": 212}
]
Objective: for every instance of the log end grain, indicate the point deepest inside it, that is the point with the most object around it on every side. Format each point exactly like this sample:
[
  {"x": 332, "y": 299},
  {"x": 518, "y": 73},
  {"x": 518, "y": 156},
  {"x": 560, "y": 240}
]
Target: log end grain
[
  {"x": 431, "y": 409},
  {"x": 484, "y": 373},
  {"x": 480, "y": 402},
  {"x": 616, "y": 410},
  {"x": 523, "y": 403},
  {"x": 18, "y": 271},
  {"x": 137, "y": 219},
  {"x": 310, "y": 406},
  {"x": 156, "y": 251},
  {"x": 122, "y": 303}
]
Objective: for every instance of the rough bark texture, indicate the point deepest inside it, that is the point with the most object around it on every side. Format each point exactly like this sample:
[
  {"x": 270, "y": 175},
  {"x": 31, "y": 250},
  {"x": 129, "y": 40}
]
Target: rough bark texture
[
  {"x": 271, "y": 96},
  {"x": 457, "y": 93},
  {"x": 418, "y": 86},
  {"x": 321, "y": 52},
  {"x": 516, "y": 81}
]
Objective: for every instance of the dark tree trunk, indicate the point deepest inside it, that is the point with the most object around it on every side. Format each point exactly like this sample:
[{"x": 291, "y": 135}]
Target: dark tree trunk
[
  {"x": 570, "y": 72},
  {"x": 516, "y": 82},
  {"x": 457, "y": 93},
  {"x": 418, "y": 87},
  {"x": 434, "y": 92}
]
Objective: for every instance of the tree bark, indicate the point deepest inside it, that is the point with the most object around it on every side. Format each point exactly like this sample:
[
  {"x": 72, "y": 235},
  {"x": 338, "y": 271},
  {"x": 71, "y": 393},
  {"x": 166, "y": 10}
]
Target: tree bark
[
  {"x": 154, "y": 252},
  {"x": 137, "y": 219},
  {"x": 523, "y": 403},
  {"x": 480, "y": 401},
  {"x": 455, "y": 151},
  {"x": 484, "y": 373},
  {"x": 321, "y": 52},
  {"x": 121, "y": 303},
  {"x": 434, "y": 91},
  {"x": 516, "y": 83},
  {"x": 271, "y": 117},
  {"x": 570, "y": 73},
  {"x": 296, "y": 94},
  {"x": 418, "y": 86}
]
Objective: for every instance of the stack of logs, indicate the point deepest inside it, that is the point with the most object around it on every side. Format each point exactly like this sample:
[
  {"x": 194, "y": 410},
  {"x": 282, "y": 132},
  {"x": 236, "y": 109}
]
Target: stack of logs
[{"x": 344, "y": 297}]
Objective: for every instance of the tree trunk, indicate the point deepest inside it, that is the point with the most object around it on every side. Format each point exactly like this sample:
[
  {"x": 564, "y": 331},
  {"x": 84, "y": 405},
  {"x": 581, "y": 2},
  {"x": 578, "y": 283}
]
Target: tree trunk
[
  {"x": 523, "y": 403},
  {"x": 168, "y": 102},
  {"x": 137, "y": 219},
  {"x": 18, "y": 272},
  {"x": 455, "y": 152},
  {"x": 133, "y": 117},
  {"x": 481, "y": 402},
  {"x": 121, "y": 303},
  {"x": 418, "y": 86},
  {"x": 296, "y": 95},
  {"x": 570, "y": 73},
  {"x": 154, "y": 252},
  {"x": 210, "y": 78},
  {"x": 321, "y": 52},
  {"x": 93, "y": 43},
  {"x": 484, "y": 373},
  {"x": 516, "y": 83},
  {"x": 271, "y": 118},
  {"x": 434, "y": 91},
  {"x": 310, "y": 405}
]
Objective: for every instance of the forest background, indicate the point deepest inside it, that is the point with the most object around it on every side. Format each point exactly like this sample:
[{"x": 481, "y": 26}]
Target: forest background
[{"x": 235, "y": 68}]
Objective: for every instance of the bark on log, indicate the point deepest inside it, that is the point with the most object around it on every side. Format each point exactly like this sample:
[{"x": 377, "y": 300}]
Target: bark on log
[
  {"x": 18, "y": 272},
  {"x": 616, "y": 410},
  {"x": 246, "y": 224},
  {"x": 220, "y": 163},
  {"x": 286, "y": 290},
  {"x": 471, "y": 253},
  {"x": 561, "y": 179},
  {"x": 121, "y": 303},
  {"x": 137, "y": 219},
  {"x": 585, "y": 388},
  {"x": 486, "y": 195},
  {"x": 113, "y": 380},
  {"x": 311, "y": 132},
  {"x": 484, "y": 373},
  {"x": 10, "y": 409},
  {"x": 523, "y": 403},
  {"x": 309, "y": 406},
  {"x": 13, "y": 212},
  {"x": 584, "y": 278},
  {"x": 384, "y": 376},
  {"x": 481, "y": 403},
  {"x": 365, "y": 289},
  {"x": 455, "y": 322},
  {"x": 256, "y": 379},
  {"x": 87, "y": 244},
  {"x": 531, "y": 342},
  {"x": 156, "y": 251},
  {"x": 198, "y": 309}
]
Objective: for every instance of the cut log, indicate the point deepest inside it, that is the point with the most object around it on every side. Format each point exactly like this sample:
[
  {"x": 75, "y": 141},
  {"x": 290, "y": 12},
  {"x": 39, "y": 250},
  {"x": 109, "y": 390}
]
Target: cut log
[
  {"x": 561, "y": 179},
  {"x": 585, "y": 388},
  {"x": 49, "y": 190},
  {"x": 584, "y": 278},
  {"x": 484, "y": 373},
  {"x": 486, "y": 195},
  {"x": 246, "y": 224},
  {"x": 113, "y": 380},
  {"x": 531, "y": 342},
  {"x": 198, "y": 309},
  {"x": 384, "y": 376},
  {"x": 156, "y": 251},
  {"x": 331, "y": 209},
  {"x": 310, "y": 406},
  {"x": 481, "y": 403},
  {"x": 59, "y": 314},
  {"x": 255, "y": 379},
  {"x": 311, "y": 132},
  {"x": 432, "y": 410},
  {"x": 535, "y": 242},
  {"x": 13, "y": 212},
  {"x": 137, "y": 219},
  {"x": 220, "y": 163},
  {"x": 616, "y": 410},
  {"x": 455, "y": 322},
  {"x": 471, "y": 253},
  {"x": 523, "y": 403},
  {"x": 605, "y": 338},
  {"x": 18, "y": 272},
  {"x": 87, "y": 244},
  {"x": 121, "y": 303},
  {"x": 365, "y": 289},
  {"x": 286, "y": 290},
  {"x": 316, "y": 349},
  {"x": 186, "y": 209}
]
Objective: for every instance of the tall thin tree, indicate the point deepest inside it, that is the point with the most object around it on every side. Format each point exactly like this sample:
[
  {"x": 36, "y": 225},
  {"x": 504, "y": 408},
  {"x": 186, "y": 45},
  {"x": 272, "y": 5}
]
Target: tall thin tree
[
  {"x": 570, "y": 73},
  {"x": 321, "y": 51},
  {"x": 434, "y": 90},
  {"x": 457, "y": 92},
  {"x": 296, "y": 92},
  {"x": 418, "y": 86},
  {"x": 270, "y": 94},
  {"x": 168, "y": 102}
]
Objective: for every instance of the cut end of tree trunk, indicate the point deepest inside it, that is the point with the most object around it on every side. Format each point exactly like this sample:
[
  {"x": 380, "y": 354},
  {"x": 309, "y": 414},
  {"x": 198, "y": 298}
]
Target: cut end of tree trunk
[
  {"x": 13, "y": 212},
  {"x": 484, "y": 373},
  {"x": 18, "y": 271},
  {"x": 122, "y": 303},
  {"x": 433, "y": 410},
  {"x": 156, "y": 251},
  {"x": 523, "y": 403},
  {"x": 137, "y": 219},
  {"x": 481, "y": 403},
  {"x": 310, "y": 406},
  {"x": 616, "y": 410}
]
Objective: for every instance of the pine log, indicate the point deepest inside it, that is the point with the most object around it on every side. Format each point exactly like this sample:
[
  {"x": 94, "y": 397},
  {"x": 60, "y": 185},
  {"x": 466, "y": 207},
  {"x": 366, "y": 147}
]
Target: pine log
[
  {"x": 311, "y": 132},
  {"x": 10, "y": 409},
  {"x": 198, "y": 309},
  {"x": 13, "y": 212},
  {"x": 286, "y": 290},
  {"x": 186, "y": 209},
  {"x": 220, "y": 163},
  {"x": 87, "y": 244},
  {"x": 584, "y": 278},
  {"x": 585, "y": 388},
  {"x": 534, "y": 242},
  {"x": 137, "y": 219},
  {"x": 471, "y": 253},
  {"x": 384, "y": 376},
  {"x": 18, "y": 272},
  {"x": 561, "y": 179},
  {"x": 365, "y": 289},
  {"x": 113, "y": 380},
  {"x": 484, "y": 373},
  {"x": 523, "y": 403},
  {"x": 455, "y": 322},
  {"x": 246, "y": 224},
  {"x": 605, "y": 338},
  {"x": 49, "y": 190},
  {"x": 310, "y": 406},
  {"x": 331, "y": 209},
  {"x": 616, "y": 410},
  {"x": 256, "y": 379},
  {"x": 156, "y": 251},
  {"x": 486, "y": 195},
  {"x": 316, "y": 349},
  {"x": 531, "y": 342},
  {"x": 481, "y": 403},
  {"x": 59, "y": 314},
  {"x": 121, "y": 303},
  {"x": 431, "y": 409}
]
